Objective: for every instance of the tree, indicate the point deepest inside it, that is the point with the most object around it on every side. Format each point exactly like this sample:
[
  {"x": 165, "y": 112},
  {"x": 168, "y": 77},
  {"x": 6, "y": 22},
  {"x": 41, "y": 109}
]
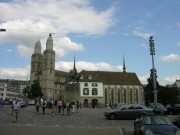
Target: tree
[
  {"x": 35, "y": 90},
  {"x": 166, "y": 95},
  {"x": 26, "y": 90},
  {"x": 148, "y": 90}
]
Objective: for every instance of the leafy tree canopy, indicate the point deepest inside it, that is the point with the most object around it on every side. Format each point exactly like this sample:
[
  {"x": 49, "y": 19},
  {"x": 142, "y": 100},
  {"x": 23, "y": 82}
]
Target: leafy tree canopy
[{"x": 35, "y": 90}]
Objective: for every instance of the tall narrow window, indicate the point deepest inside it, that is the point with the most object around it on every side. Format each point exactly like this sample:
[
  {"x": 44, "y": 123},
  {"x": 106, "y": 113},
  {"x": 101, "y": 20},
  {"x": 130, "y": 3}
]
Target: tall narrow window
[
  {"x": 85, "y": 84},
  {"x": 94, "y": 91},
  {"x": 86, "y": 91}
]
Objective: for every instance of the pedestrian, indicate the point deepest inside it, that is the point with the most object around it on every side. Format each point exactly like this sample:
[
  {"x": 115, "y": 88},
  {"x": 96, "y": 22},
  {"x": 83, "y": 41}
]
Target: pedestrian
[
  {"x": 12, "y": 106},
  {"x": 73, "y": 106},
  {"x": 44, "y": 103},
  {"x": 1, "y": 102},
  {"x": 68, "y": 106},
  {"x": 59, "y": 104},
  {"x": 37, "y": 104},
  {"x": 77, "y": 106},
  {"x": 55, "y": 105},
  {"x": 93, "y": 103},
  {"x": 52, "y": 110},
  {"x": 63, "y": 107},
  {"x": 16, "y": 107}
]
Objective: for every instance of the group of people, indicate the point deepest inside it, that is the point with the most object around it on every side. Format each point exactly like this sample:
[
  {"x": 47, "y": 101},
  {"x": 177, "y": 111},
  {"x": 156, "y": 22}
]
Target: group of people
[{"x": 57, "y": 106}]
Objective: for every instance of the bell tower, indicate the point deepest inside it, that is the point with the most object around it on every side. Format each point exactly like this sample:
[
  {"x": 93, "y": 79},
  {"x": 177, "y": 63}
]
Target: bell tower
[
  {"x": 48, "y": 69},
  {"x": 36, "y": 62}
]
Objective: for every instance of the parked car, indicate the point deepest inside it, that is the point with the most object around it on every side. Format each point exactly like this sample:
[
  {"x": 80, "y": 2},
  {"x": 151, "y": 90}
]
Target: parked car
[
  {"x": 158, "y": 108},
  {"x": 176, "y": 122},
  {"x": 22, "y": 104},
  {"x": 31, "y": 102},
  {"x": 129, "y": 111},
  {"x": 116, "y": 106},
  {"x": 154, "y": 124},
  {"x": 173, "y": 109}
]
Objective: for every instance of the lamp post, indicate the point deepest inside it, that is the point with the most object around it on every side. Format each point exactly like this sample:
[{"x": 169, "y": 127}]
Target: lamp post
[
  {"x": 152, "y": 53},
  {"x": 3, "y": 30}
]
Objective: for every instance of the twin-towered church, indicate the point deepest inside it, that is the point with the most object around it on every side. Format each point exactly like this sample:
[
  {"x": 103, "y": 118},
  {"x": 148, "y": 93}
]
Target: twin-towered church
[{"x": 99, "y": 86}]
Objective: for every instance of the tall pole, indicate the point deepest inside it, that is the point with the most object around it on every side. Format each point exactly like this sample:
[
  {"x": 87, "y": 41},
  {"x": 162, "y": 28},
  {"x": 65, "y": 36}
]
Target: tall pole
[
  {"x": 152, "y": 53},
  {"x": 2, "y": 30}
]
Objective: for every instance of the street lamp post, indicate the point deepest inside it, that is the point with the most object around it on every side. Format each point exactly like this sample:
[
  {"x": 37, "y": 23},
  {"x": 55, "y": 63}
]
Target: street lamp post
[
  {"x": 152, "y": 53},
  {"x": 2, "y": 30}
]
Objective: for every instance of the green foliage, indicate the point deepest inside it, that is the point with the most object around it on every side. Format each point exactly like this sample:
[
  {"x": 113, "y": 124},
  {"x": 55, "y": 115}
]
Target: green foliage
[
  {"x": 35, "y": 90},
  {"x": 26, "y": 90},
  {"x": 166, "y": 95}
]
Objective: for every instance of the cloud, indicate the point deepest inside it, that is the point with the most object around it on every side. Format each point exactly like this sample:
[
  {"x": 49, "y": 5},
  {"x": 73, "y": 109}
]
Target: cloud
[
  {"x": 164, "y": 81},
  {"x": 143, "y": 78},
  {"x": 24, "y": 72},
  {"x": 171, "y": 58},
  {"x": 170, "y": 79},
  {"x": 72, "y": 16},
  {"x": 64, "y": 45},
  {"x": 84, "y": 65},
  {"x": 178, "y": 44},
  {"x": 141, "y": 34},
  {"x": 24, "y": 51},
  {"x": 178, "y": 24},
  {"x": 21, "y": 73},
  {"x": 9, "y": 50}
]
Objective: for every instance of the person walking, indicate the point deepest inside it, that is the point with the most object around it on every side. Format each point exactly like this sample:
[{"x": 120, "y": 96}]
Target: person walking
[
  {"x": 44, "y": 103},
  {"x": 37, "y": 103},
  {"x": 59, "y": 104},
  {"x": 16, "y": 107},
  {"x": 1, "y": 102},
  {"x": 68, "y": 106},
  {"x": 63, "y": 107},
  {"x": 52, "y": 110},
  {"x": 77, "y": 106}
]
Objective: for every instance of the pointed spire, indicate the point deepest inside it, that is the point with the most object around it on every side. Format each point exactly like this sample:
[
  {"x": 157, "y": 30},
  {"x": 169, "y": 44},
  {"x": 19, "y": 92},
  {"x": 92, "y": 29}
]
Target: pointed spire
[
  {"x": 74, "y": 68},
  {"x": 49, "y": 43},
  {"x": 37, "y": 48},
  {"x": 124, "y": 66}
]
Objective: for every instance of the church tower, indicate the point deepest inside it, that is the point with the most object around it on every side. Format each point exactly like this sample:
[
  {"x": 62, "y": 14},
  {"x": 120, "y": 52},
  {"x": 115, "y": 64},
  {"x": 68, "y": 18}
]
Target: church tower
[
  {"x": 48, "y": 70},
  {"x": 124, "y": 66},
  {"x": 36, "y": 62}
]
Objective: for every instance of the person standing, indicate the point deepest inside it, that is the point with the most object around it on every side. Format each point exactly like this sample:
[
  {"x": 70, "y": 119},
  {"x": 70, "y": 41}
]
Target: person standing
[
  {"x": 44, "y": 103},
  {"x": 73, "y": 106},
  {"x": 16, "y": 107},
  {"x": 77, "y": 106}
]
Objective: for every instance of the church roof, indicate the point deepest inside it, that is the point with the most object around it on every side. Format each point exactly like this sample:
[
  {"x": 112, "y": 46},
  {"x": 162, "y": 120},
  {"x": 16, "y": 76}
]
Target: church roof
[
  {"x": 111, "y": 78},
  {"x": 61, "y": 73}
]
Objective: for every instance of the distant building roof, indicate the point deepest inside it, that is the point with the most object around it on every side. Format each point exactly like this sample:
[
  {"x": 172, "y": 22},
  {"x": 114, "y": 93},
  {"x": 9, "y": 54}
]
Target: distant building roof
[
  {"x": 61, "y": 73},
  {"x": 178, "y": 83},
  {"x": 107, "y": 77}
]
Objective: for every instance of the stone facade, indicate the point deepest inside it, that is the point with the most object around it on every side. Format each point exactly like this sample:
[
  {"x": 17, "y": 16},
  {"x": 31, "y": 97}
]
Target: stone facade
[
  {"x": 43, "y": 70},
  {"x": 93, "y": 86},
  {"x": 114, "y": 87},
  {"x": 10, "y": 89}
]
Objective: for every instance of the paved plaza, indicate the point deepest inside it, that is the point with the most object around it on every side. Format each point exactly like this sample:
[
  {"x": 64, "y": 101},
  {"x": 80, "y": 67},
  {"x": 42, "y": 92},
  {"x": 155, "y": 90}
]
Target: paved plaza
[{"x": 85, "y": 121}]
